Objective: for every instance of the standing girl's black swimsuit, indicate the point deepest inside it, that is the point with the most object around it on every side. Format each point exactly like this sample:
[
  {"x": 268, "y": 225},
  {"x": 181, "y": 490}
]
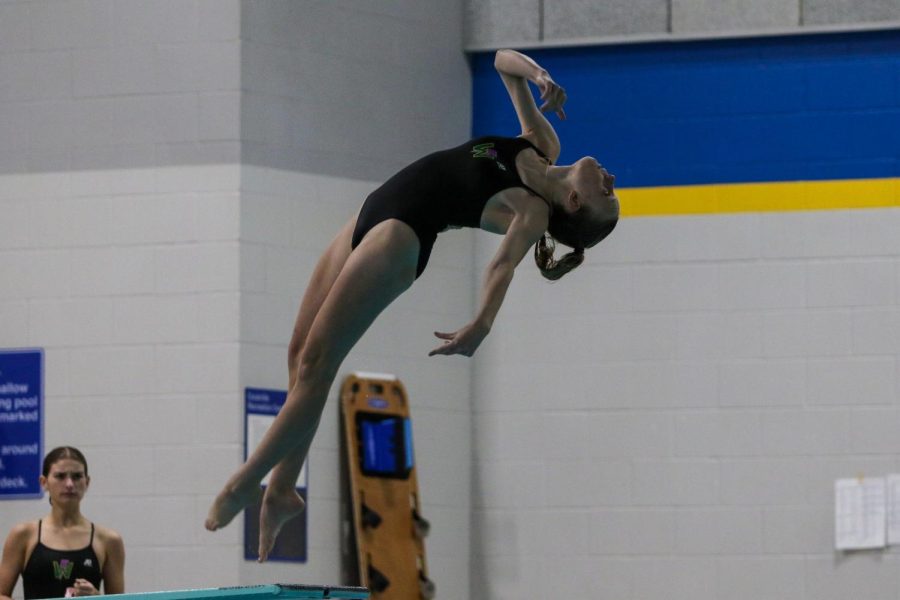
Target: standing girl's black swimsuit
[
  {"x": 445, "y": 189},
  {"x": 49, "y": 572}
]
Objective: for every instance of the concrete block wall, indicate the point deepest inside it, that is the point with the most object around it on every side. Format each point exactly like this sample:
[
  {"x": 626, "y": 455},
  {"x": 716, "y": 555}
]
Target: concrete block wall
[
  {"x": 642, "y": 439},
  {"x": 337, "y": 97},
  {"x": 94, "y": 84},
  {"x": 160, "y": 225},
  {"x": 280, "y": 243},
  {"x": 532, "y": 23},
  {"x": 129, "y": 281},
  {"x": 349, "y": 89},
  {"x": 668, "y": 420},
  {"x": 119, "y": 152},
  {"x": 163, "y": 231}
]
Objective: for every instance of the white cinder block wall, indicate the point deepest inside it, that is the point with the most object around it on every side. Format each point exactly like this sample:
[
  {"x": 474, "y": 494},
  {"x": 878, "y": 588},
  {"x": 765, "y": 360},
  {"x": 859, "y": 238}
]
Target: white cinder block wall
[
  {"x": 668, "y": 420},
  {"x": 166, "y": 184},
  {"x": 128, "y": 279},
  {"x": 528, "y": 23},
  {"x": 119, "y": 152},
  {"x": 338, "y": 96},
  {"x": 162, "y": 208},
  {"x": 280, "y": 243}
]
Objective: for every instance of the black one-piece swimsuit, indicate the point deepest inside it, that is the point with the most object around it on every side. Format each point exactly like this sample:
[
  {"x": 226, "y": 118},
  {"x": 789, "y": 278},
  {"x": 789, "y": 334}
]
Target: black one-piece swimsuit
[
  {"x": 49, "y": 572},
  {"x": 445, "y": 189}
]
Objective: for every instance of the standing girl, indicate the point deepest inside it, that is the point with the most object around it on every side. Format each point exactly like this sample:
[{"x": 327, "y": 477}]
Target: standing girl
[{"x": 63, "y": 554}]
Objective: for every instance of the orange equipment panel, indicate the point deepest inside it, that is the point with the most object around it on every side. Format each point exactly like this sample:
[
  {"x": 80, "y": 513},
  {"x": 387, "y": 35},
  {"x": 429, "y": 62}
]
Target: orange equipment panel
[{"x": 387, "y": 546}]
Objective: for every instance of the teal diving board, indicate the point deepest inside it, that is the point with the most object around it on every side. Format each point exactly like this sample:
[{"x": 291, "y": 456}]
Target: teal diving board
[{"x": 273, "y": 591}]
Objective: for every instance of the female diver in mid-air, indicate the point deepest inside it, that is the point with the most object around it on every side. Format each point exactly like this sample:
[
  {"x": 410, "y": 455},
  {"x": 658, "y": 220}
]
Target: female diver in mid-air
[{"x": 505, "y": 185}]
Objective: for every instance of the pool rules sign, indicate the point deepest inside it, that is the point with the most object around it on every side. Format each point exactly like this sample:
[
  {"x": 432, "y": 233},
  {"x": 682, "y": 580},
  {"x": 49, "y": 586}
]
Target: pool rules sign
[
  {"x": 21, "y": 423},
  {"x": 260, "y": 409}
]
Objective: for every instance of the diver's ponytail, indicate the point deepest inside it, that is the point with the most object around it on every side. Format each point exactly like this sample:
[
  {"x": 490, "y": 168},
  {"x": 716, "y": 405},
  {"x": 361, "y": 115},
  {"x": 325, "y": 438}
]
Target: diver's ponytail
[{"x": 551, "y": 268}]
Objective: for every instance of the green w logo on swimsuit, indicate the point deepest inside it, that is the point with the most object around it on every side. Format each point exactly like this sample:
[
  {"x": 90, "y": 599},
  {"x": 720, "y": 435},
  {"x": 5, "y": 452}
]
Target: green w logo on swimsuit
[
  {"x": 484, "y": 151},
  {"x": 63, "y": 569}
]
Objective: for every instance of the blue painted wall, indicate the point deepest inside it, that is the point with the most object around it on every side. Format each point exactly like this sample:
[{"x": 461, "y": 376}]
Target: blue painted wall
[{"x": 790, "y": 108}]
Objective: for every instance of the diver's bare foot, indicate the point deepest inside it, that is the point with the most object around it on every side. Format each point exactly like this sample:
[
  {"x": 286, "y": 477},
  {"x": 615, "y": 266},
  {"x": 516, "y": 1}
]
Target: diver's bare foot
[
  {"x": 229, "y": 502},
  {"x": 277, "y": 509}
]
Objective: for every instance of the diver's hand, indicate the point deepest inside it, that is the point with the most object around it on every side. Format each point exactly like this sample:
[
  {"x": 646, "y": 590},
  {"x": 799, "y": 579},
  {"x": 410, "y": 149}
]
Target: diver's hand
[
  {"x": 552, "y": 94},
  {"x": 463, "y": 341}
]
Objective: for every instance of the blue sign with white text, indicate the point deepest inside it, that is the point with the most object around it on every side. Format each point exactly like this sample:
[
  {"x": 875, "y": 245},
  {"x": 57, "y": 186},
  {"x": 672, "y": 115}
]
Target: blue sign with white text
[
  {"x": 21, "y": 423},
  {"x": 261, "y": 406}
]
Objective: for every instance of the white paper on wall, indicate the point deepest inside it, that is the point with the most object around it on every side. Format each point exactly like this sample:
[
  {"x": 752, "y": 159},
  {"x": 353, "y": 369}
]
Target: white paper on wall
[
  {"x": 860, "y": 507},
  {"x": 893, "y": 509}
]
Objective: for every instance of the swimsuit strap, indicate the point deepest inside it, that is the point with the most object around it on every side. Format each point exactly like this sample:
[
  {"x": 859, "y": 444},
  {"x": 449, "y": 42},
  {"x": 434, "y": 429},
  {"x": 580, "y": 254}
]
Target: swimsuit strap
[
  {"x": 542, "y": 155},
  {"x": 536, "y": 149},
  {"x": 91, "y": 543}
]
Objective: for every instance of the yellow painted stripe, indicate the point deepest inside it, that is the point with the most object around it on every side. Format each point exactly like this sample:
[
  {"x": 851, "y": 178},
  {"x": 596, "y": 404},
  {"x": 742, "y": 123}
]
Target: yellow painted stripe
[{"x": 759, "y": 197}]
